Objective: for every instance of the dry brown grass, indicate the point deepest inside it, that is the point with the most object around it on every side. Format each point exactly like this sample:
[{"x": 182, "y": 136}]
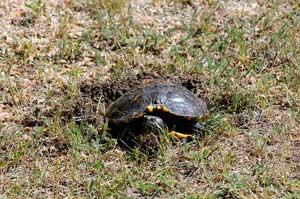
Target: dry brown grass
[{"x": 247, "y": 53}]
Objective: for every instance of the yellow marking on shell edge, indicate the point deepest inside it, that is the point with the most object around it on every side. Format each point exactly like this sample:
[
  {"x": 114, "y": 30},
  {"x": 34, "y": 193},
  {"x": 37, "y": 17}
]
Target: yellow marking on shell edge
[
  {"x": 158, "y": 107},
  {"x": 165, "y": 109},
  {"x": 179, "y": 135},
  {"x": 150, "y": 109},
  {"x": 189, "y": 118},
  {"x": 203, "y": 117}
]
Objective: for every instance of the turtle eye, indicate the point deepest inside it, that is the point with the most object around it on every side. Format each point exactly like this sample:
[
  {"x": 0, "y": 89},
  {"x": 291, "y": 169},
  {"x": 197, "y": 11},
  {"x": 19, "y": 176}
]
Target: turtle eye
[{"x": 154, "y": 120}]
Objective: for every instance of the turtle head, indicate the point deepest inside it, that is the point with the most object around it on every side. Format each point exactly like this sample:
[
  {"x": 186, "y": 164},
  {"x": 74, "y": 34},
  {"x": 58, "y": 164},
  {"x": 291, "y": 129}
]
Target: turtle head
[{"x": 153, "y": 124}]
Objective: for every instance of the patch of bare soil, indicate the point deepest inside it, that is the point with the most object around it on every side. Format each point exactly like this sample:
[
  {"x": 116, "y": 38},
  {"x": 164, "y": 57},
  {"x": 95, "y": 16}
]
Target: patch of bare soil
[
  {"x": 4, "y": 113},
  {"x": 109, "y": 91}
]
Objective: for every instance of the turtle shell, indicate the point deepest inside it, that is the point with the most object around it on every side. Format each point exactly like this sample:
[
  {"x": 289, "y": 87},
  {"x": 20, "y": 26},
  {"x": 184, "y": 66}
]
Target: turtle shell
[{"x": 178, "y": 100}]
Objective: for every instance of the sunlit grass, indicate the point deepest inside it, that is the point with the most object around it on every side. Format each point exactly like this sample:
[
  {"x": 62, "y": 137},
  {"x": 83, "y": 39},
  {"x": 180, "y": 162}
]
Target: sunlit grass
[{"x": 55, "y": 142}]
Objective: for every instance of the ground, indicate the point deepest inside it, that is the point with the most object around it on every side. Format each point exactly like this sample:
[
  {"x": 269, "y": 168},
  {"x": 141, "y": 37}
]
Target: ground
[{"x": 62, "y": 62}]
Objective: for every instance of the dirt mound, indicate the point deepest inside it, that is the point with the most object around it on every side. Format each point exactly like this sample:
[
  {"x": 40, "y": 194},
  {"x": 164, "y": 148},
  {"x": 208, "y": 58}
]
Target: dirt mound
[{"x": 110, "y": 91}]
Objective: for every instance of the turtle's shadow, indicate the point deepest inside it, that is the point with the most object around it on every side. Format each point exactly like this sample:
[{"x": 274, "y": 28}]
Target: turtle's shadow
[{"x": 130, "y": 138}]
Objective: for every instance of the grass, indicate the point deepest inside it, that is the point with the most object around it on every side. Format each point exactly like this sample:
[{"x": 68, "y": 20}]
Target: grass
[{"x": 245, "y": 52}]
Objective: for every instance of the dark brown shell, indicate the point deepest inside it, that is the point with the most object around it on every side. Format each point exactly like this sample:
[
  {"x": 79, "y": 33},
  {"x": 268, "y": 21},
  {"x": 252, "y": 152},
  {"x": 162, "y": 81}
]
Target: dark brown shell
[{"x": 180, "y": 101}]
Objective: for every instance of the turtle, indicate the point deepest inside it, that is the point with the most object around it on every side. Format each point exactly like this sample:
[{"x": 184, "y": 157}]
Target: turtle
[{"x": 154, "y": 107}]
